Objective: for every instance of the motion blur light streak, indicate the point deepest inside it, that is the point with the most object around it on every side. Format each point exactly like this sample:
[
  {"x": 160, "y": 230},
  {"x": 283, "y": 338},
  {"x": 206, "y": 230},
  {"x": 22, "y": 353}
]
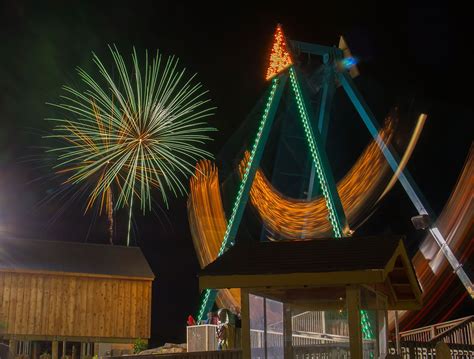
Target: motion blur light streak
[
  {"x": 208, "y": 223},
  {"x": 294, "y": 218},
  {"x": 433, "y": 270},
  {"x": 408, "y": 152},
  {"x": 206, "y": 213},
  {"x": 288, "y": 217}
]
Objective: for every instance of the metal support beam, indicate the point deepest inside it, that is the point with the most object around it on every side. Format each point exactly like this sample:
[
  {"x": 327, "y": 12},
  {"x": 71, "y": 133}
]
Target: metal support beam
[
  {"x": 256, "y": 153},
  {"x": 312, "y": 48},
  {"x": 404, "y": 177},
  {"x": 324, "y": 111},
  {"x": 269, "y": 112},
  {"x": 327, "y": 94},
  {"x": 337, "y": 216}
]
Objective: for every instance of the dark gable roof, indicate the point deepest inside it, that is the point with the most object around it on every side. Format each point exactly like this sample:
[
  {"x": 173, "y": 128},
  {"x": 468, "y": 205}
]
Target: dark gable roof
[
  {"x": 73, "y": 257},
  {"x": 313, "y": 256}
]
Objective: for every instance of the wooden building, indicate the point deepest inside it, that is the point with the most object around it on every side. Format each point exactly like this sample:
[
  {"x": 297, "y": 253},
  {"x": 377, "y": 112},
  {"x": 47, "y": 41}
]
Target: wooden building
[
  {"x": 65, "y": 298},
  {"x": 358, "y": 279}
]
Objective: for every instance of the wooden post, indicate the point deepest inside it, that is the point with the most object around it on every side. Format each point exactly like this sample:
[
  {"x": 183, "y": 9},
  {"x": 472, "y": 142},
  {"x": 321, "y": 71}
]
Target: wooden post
[
  {"x": 245, "y": 317},
  {"x": 54, "y": 349},
  {"x": 287, "y": 331},
  {"x": 73, "y": 354},
  {"x": 12, "y": 344},
  {"x": 382, "y": 325},
  {"x": 34, "y": 354},
  {"x": 323, "y": 321},
  {"x": 397, "y": 334},
  {"x": 64, "y": 349},
  {"x": 382, "y": 333},
  {"x": 353, "y": 314},
  {"x": 265, "y": 341}
]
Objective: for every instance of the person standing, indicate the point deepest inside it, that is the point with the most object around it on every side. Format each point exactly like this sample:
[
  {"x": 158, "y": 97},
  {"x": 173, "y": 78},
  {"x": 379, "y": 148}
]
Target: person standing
[{"x": 222, "y": 330}]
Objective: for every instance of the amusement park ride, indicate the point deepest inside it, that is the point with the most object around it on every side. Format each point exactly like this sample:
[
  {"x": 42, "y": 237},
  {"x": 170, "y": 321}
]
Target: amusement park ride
[{"x": 337, "y": 69}]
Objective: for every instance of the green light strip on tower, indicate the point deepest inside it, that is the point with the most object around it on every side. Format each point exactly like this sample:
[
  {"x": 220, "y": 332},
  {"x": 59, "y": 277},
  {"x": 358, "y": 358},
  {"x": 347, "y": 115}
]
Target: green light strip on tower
[
  {"x": 205, "y": 298},
  {"x": 335, "y": 223},
  {"x": 367, "y": 332},
  {"x": 249, "y": 164},
  {"x": 366, "y": 327},
  {"x": 238, "y": 198}
]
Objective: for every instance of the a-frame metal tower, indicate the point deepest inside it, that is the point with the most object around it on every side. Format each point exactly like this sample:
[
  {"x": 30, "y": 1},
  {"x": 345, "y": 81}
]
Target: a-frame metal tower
[{"x": 337, "y": 68}]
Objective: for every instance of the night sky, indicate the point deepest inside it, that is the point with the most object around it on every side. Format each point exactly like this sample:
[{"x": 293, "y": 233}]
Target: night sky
[{"x": 416, "y": 53}]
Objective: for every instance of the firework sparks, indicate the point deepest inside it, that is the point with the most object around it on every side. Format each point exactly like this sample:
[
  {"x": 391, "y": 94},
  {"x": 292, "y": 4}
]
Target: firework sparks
[{"x": 123, "y": 137}]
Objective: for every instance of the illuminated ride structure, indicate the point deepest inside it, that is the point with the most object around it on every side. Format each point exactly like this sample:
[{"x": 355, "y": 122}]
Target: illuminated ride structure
[{"x": 313, "y": 204}]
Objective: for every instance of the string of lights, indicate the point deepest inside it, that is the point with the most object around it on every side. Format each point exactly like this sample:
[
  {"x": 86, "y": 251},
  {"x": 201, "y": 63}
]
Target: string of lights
[
  {"x": 280, "y": 58},
  {"x": 227, "y": 240},
  {"x": 334, "y": 217}
]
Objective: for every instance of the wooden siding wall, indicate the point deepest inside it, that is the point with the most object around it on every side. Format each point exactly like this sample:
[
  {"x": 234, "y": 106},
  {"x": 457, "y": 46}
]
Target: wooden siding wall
[{"x": 67, "y": 305}]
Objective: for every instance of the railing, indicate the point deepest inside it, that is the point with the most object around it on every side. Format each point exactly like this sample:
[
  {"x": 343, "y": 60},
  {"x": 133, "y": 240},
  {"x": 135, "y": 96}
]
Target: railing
[
  {"x": 462, "y": 333},
  {"x": 201, "y": 338},
  {"x": 418, "y": 343},
  {"x": 306, "y": 345},
  {"x": 309, "y": 321},
  {"x": 222, "y": 354},
  {"x": 427, "y": 350},
  {"x": 330, "y": 351},
  {"x": 458, "y": 331},
  {"x": 315, "y": 322},
  {"x": 299, "y": 338},
  {"x": 321, "y": 351}
]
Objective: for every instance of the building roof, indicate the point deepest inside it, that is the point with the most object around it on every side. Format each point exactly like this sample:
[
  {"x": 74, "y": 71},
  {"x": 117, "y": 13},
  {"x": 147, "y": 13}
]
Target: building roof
[
  {"x": 323, "y": 255},
  {"x": 378, "y": 260},
  {"x": 72, "y": 257}
]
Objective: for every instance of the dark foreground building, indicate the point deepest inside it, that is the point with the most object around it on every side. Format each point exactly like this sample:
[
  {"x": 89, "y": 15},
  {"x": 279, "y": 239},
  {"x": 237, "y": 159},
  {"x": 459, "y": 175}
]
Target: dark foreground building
[{"x": 354, "y": 282}]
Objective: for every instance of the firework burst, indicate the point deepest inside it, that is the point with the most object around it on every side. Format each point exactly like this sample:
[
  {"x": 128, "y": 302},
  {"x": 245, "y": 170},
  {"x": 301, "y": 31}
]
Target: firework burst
[{"x": 121, "y": 137}]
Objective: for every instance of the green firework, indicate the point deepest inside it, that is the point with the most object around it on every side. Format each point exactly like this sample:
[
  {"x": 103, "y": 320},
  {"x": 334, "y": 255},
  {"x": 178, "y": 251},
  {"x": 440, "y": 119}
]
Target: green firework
[{"x": 126, "y": 135}]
